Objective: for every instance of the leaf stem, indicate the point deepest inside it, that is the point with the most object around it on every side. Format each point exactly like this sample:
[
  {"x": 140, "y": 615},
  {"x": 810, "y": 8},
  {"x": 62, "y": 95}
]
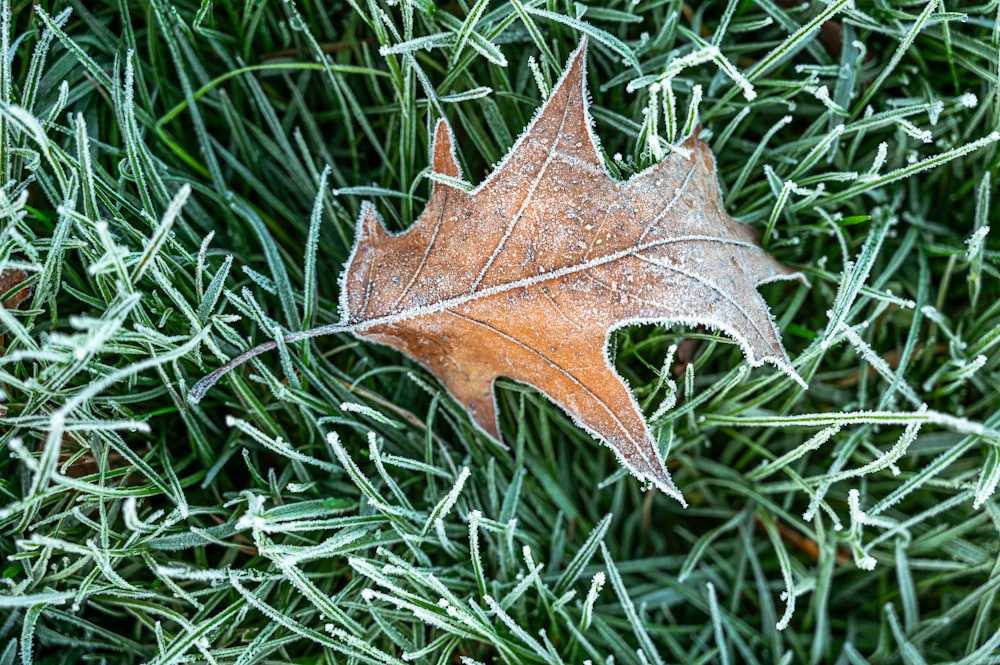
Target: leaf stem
[{"x": 205, "y": 384}]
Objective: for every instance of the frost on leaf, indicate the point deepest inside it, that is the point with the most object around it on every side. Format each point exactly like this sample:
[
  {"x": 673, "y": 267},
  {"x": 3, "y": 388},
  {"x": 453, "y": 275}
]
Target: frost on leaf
[{"x": 527, "y": 275}]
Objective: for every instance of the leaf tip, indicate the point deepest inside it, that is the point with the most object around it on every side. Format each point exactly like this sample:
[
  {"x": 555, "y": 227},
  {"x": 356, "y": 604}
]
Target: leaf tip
[
  {"x": 667, "y": 487},
  {"x": 443, "y": 151},
  {"x": 784, "y": 364},
  {"x": 577, "y": 61},
  {"x": 794, "y": 376},
  {"x": 370, "y": 226}
]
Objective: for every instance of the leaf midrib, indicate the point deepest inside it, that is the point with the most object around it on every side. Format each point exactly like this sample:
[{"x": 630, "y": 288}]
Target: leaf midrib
[{"x": 456, "y": 301}]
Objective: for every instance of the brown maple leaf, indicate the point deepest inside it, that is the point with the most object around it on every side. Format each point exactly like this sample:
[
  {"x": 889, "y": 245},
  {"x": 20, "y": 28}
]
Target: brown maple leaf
[{"x": 527, "y": 275}]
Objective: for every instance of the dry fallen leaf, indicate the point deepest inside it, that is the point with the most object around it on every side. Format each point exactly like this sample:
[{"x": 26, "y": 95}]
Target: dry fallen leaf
[{"x": 527, "y": 275}]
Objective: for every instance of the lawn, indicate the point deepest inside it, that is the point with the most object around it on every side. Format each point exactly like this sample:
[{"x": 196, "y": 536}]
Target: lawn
[{"x": 182, "y": 181}]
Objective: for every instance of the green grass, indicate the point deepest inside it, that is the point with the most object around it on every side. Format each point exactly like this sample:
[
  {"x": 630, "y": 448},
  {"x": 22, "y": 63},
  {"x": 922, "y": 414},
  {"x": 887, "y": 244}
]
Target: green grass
[{"x": 180, "y": 182}]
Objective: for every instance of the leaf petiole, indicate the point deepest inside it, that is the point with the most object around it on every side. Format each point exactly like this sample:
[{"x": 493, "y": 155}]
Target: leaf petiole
[{"x": 205, "y": 384}]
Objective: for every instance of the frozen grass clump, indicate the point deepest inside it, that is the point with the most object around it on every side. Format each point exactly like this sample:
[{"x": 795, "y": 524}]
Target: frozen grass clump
[{"x": 179, "y": 181}]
